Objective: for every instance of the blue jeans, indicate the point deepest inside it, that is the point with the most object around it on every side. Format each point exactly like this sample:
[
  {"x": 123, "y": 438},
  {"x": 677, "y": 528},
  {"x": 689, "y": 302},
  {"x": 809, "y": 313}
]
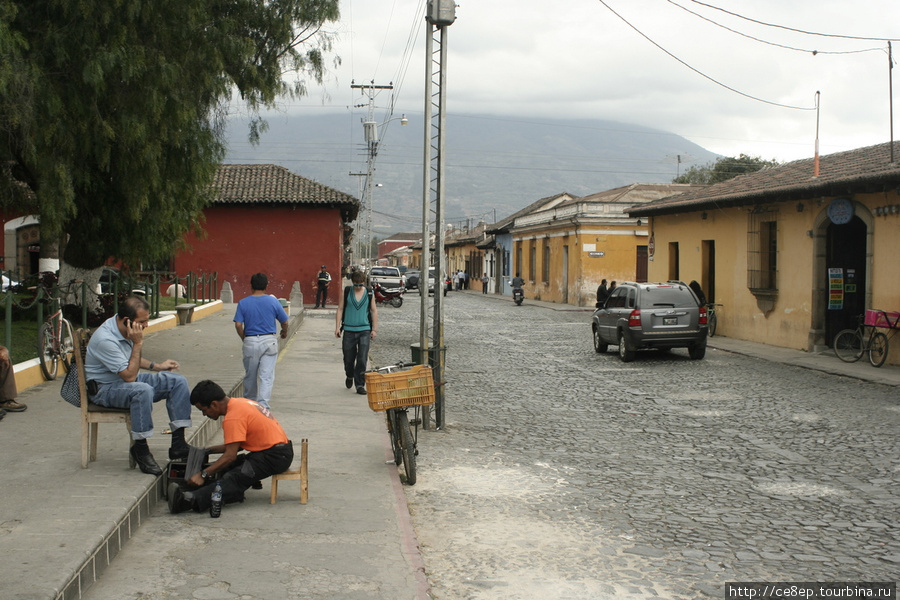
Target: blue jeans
[
  {"x": 140, "y": 395},
  {"x": 356, "y": 354},
  {"x": 260, "y": 355}
]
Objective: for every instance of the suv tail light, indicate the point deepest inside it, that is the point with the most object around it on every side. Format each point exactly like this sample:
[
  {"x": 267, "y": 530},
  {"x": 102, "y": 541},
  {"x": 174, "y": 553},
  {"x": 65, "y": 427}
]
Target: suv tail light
[
  {"x": 703, "y": 320},
  {"x": 634, "y": 319}
]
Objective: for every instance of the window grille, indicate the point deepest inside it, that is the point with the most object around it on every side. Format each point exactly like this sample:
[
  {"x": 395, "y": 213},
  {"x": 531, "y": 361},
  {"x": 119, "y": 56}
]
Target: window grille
[{"x": 762, "y": 250}]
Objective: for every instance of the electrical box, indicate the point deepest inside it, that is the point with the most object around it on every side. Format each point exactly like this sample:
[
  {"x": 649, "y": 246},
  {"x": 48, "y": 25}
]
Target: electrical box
[{"x": 441, "y": 12}]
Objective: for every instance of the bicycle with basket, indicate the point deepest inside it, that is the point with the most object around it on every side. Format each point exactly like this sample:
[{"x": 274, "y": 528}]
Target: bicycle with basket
[
  {"x": 395, "y": 389},
  {"x": 850, "y": 344}
]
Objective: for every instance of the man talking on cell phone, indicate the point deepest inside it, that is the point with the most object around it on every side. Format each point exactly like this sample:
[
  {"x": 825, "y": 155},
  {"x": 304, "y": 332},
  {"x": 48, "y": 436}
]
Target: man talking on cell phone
[{"x": 112, "y": 369}]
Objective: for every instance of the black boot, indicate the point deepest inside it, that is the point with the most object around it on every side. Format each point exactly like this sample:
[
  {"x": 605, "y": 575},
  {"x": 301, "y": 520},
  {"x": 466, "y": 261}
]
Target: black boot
[
  {"x": 180, "y": 448},
  {"x": 140, "y": 452}
]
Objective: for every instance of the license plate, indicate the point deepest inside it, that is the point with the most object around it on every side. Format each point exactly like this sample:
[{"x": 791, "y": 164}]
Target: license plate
[{"x": 670, "y": 320}]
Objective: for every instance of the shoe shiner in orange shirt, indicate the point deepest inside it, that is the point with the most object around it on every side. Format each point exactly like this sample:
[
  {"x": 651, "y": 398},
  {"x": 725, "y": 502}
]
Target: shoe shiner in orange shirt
[{"x": 247, "y": 426}]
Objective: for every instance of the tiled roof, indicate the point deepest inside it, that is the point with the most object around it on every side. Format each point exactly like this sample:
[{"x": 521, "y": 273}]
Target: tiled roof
[
  {"x": 403, "y": 237},
  {"x": 503, "y": 225},
  {"x": 634, "y": 193},
  {"x": 272, "y": 184},
  {"x": 862, "y": 170}
]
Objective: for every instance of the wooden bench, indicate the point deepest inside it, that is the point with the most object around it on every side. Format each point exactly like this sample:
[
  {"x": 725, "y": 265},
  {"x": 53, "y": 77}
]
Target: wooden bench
[
  {"x": 300, "y": 475},
  {"x": 92, "y": 414},
  {"x": 185, "y": 313}
]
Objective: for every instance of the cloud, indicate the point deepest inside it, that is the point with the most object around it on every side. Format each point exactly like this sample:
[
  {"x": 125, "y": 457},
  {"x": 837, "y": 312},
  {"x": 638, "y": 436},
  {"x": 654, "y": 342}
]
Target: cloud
[{"x": 576, "y": 59}]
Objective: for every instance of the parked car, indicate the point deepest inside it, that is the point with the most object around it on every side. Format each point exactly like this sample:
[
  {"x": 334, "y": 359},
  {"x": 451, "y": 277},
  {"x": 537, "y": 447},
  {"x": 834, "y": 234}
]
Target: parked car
[
  {"x": 389, "y": 277},
  {"x": 108, "y": 277},
  {"x": 8, "y": 283},
  {"x": 651, "y": 315},
  {"x": 447, "y": 284},
  {"x": 412, "y": 279}
]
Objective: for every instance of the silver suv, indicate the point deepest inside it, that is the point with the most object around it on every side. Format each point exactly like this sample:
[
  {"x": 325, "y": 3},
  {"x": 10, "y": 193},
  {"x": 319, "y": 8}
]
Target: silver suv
[{"x": 651, "y": 315}]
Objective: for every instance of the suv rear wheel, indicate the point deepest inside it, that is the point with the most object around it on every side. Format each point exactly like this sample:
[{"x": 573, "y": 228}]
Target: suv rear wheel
[
  {"x": 599, "y": 346},
  {"x": 697, "y": 351},
  {"x": 625, "y": 353}
]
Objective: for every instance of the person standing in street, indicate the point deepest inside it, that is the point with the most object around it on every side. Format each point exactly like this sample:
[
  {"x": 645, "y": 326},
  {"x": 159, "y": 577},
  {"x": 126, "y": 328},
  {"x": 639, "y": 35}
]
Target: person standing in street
[
  {"x": 114, "y": 360},
  {"x": 484, "y": 283},
  {"x": 254, "y": 321},
  {"x": 8, "y": 389},
  {"x": 602, "y": 294},
  {"x": 357, "y": 319},
  {"x": 322, "y": 281}
]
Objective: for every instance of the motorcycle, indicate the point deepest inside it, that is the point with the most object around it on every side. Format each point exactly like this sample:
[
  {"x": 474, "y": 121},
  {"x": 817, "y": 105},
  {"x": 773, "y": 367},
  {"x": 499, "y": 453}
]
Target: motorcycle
[
  {"x": 518, "y": 296},
  {"x": 385, "y": 296}
]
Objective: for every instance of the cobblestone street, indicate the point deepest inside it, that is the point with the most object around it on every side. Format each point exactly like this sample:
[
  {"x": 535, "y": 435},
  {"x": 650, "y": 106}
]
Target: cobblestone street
[{"x": 562, "y": 473}]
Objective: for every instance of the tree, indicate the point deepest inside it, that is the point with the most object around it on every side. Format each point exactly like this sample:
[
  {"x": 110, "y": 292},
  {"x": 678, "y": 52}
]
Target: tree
[
  {"x": 724, "y": 168},
  {"x": 112, "y": 111}
]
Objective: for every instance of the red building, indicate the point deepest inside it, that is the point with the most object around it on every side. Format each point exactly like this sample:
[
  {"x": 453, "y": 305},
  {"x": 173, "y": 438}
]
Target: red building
[{"x": 267, "y": 219}]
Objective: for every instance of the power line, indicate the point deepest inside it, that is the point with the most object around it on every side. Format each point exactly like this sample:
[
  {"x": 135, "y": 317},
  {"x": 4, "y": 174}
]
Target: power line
[
  {"x": 830, "y": 35},
  {"x": 762, "y": 41},
  {"x": 701, "y": 73}
]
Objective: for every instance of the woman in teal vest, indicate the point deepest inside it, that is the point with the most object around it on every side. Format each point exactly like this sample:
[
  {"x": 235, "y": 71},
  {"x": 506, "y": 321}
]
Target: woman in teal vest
[{"x": 357, "y": 319}]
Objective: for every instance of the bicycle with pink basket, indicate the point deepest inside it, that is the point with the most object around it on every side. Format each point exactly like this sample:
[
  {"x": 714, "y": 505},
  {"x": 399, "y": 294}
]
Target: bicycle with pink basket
[{"x": 867, "y": 338}]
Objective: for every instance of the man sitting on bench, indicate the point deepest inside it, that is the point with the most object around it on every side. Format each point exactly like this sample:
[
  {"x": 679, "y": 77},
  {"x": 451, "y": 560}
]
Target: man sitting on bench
[{"x": 248, "y": 426}]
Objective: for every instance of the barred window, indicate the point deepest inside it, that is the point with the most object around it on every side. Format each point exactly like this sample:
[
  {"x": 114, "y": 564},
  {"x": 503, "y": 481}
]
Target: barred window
[
  {"x": 762, "y": 250},
  {"x": 532, "y": 259},
  {"x": 545, "y": 267}
]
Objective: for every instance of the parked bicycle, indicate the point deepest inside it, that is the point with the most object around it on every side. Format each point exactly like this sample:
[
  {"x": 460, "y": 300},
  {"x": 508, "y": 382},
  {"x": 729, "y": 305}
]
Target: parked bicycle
[
  {"x": 711, "y": 319},
  {"x": 851, "y": 344},
  {"x": 55, "y": 341},
  {"x": 394, "y": 389}
]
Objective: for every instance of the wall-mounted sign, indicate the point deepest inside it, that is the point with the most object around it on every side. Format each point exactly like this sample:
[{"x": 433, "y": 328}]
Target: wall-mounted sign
[
  {"x": 840, "y": 211},
  {"x": 597, "y": 254},
  {"x": 651, "y": 246},
  {"x": 835, "y": 289}
]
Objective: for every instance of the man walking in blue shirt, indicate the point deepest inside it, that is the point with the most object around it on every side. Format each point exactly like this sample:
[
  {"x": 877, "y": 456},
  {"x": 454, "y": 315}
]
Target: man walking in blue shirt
[{"x": 254, "y": 321}]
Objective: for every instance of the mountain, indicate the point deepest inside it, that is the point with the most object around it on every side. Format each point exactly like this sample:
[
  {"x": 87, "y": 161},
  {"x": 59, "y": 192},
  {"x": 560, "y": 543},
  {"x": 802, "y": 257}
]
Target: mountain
[{"x": 494, "y": 166}]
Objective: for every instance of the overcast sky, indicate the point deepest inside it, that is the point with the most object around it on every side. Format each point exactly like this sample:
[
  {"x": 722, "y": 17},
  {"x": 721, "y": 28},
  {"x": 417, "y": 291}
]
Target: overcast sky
[{"x": 533, "y": 59}]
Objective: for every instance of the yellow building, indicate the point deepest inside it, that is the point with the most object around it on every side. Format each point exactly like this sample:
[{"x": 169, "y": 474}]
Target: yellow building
[
  {"x": 794, "y": 253},
  {"x": 564, "y": 249}
]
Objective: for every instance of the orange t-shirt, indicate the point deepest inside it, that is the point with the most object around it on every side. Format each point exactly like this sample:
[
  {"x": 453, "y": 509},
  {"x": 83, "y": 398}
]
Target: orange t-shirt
[{"x": 251, "y": 425}]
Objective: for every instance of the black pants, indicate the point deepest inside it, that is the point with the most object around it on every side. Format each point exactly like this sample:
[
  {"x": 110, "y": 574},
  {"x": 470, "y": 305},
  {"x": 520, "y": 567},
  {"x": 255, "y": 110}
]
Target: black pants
[
  {"x": 321, "y": 293},
  {"x": 247, "y": 468}
]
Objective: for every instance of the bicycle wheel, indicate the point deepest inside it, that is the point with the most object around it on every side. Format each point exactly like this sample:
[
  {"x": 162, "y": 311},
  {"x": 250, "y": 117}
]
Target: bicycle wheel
[
  {"x": 712, "y": 321},
  {"x": 407, "y": 446},
  {"x": 66, "y": 345},
  {"x": 848, "y": 345},
  {"x": 48, "y": 356},
  {"x": 393, "y": 430},
  {"x": 878, "y": 349}
]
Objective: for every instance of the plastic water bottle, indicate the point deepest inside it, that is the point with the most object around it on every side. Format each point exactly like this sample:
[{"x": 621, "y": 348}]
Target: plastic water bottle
[{"x": 215, "y": 509}]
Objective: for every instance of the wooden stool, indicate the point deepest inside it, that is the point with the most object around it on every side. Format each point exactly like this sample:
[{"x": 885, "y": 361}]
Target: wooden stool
[{"x": 301, "y": 475}]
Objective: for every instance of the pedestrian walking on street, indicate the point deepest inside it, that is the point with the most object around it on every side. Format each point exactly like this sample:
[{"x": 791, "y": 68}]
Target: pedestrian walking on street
[
  {"x": 8, "y": 389},
  {"x": 602, "y": 294},
  {"x": 357, "y": 319},
  {"x": 246, "y": 425},
  {"x": 114, "y": 360},
  {"x": 322, "y": 281},
  {"x": 484, "y": 283},
  {"x": 254, "y": 321},
  {"x": 456, "y": 281}
]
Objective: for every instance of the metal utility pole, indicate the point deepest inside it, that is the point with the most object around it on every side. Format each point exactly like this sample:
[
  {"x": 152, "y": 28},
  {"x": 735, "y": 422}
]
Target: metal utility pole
[
  {"x": 370, "y": 130},
  {"x": 439, "y": 15}
]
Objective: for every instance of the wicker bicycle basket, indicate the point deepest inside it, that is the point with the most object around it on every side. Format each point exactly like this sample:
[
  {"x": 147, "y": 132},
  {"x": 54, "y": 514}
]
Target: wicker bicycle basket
[{"x": 412, "y": 387}]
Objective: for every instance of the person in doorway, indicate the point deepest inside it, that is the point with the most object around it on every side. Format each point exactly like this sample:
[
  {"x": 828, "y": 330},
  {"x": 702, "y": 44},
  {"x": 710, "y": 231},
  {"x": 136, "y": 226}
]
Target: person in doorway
[
  {"x": 8, "y": 390},
  {"x": 322, "y": 281},
  {"x": 602, "y": 294},
  {"x": 114, "y": 360},
  {"x": 484, "y": 283},
  {"x": 357, "y": 320},
  {"x": 254, "y": 321},
  {"x": 246, "y": 425}
]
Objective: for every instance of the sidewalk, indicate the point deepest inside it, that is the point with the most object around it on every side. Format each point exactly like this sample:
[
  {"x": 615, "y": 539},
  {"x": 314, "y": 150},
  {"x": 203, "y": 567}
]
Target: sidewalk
[{"x": 61, "y": 525}]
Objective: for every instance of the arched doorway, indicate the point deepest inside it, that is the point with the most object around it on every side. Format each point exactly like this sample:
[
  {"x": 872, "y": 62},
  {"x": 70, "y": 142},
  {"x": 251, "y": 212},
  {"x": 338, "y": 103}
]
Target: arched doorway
[{"x": 846, "y": 274}]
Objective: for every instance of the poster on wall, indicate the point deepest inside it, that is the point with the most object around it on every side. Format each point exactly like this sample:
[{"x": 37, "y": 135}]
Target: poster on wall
[{"x": 835, "y": 289}]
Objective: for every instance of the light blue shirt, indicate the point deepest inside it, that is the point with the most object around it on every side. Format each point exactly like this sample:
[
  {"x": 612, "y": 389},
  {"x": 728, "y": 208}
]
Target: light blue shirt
[{"x": 108, "y": 353}]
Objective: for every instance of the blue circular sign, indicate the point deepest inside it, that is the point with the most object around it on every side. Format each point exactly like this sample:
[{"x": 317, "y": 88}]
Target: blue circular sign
[{"x": 840, "y": 211}]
